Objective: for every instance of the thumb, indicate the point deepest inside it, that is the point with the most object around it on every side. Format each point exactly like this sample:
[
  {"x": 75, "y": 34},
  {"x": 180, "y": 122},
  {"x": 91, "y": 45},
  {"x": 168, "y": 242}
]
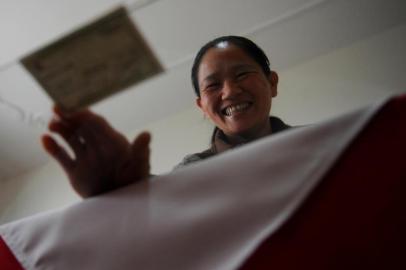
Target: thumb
[
  {"x": 140, "y": 152},
  {"x": 141, "y": 142},
  {"x": 140, "y": 148}
]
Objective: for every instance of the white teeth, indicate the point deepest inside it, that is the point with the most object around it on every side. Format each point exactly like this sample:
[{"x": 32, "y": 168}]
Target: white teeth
[{"x": 236, "y": 108}]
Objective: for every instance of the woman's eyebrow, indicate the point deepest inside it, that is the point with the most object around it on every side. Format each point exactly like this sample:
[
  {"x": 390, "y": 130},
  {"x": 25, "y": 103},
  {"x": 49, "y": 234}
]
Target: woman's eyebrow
[{"x": 210, "y": 77}]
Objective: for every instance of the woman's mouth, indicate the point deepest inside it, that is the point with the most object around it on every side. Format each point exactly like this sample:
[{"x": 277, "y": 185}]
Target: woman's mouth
[{"x": 236, "y": 108}]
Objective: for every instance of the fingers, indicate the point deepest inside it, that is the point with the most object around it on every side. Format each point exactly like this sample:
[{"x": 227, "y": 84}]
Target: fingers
[
  {"x": 94, "y": 129},
  {"x": 75, "y": 128},
  {"x": 57, "y": 152},
  {"x": 70, "y": 134},
  {"x": 81, "y": 117}
]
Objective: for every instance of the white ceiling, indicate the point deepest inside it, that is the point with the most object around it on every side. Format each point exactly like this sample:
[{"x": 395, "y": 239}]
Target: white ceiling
[{"x": 293, "y": 31}]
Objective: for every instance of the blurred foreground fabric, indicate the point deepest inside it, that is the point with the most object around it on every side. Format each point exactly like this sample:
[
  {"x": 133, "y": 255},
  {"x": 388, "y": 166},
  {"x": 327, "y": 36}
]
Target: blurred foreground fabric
[{"x": 327, "y": 196}]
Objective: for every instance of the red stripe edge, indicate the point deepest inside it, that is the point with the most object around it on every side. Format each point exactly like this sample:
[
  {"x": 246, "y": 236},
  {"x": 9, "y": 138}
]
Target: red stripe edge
[{"x": 7, "y": 259}]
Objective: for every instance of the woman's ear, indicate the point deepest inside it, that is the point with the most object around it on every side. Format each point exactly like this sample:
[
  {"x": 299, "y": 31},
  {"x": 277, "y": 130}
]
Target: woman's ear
[
  {"x": 199, "y": 103},
  {"x": 273, "y": 80}
]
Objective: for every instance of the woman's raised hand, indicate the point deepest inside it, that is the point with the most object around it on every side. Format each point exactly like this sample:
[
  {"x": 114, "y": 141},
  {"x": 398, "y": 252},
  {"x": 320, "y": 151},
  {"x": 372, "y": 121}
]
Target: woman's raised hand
[{"x": 104, "y": 160}]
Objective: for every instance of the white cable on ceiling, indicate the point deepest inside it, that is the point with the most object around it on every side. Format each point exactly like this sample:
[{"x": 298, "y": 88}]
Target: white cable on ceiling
[{"x": 139, "y": 4}]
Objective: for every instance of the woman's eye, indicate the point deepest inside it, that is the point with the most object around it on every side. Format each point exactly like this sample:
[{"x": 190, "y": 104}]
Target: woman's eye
[
  {"x": 242, "y": 75},
  {"x": 212, "y": 86}
]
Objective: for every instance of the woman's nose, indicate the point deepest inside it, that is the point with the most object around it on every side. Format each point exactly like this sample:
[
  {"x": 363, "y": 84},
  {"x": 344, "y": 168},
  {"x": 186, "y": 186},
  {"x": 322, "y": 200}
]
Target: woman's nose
[{"x": 230, "y": 89}]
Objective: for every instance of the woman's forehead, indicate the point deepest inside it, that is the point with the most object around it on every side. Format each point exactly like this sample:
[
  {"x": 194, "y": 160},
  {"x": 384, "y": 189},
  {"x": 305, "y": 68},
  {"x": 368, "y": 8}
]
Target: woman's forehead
[
  {"x": 226, "y": 50},
  {"x": 221, "y": 59}
]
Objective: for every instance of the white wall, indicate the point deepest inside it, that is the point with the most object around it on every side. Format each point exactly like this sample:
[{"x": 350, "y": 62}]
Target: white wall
[
  {"x": 43, "y": 189},
  {"x": 345, "y": 79},
  {"x": 318, "y": 89}
]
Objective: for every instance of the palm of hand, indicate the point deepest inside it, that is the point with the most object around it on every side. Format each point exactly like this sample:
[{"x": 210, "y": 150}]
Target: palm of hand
[
  {"x": 104, "y": 159},
  {"x": 97, "y": 170}
]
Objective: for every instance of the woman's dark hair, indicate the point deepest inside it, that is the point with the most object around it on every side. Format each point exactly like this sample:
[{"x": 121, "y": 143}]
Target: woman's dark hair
[{"x": 249, "y": 47}]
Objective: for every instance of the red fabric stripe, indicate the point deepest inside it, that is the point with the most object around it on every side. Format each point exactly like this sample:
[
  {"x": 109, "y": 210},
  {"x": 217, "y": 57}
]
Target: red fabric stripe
[
  {"x": 356, "y": 217},
  {"x": 7, "y": 259}
]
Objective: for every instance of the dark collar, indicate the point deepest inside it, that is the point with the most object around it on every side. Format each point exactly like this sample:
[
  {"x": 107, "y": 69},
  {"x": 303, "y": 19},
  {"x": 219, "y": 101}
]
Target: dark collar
[{"x": 221, "y": 143}]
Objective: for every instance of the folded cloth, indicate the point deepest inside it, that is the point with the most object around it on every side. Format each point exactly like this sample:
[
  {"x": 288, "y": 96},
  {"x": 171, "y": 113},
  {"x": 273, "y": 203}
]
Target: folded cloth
[
  {"x": 210, "y": 215},
  {"x": 355, "y": 217}
]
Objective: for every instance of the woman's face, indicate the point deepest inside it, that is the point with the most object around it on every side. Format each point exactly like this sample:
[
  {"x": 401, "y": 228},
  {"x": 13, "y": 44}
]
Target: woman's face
[{"x": 234, "y": 91}]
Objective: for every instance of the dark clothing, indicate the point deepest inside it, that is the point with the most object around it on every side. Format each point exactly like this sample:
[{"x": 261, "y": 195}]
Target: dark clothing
[{"x": 221, "y": 144}]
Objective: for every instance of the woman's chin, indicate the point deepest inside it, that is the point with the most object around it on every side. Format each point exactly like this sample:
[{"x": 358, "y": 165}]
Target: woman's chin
[{"x": 239, "y": 131}]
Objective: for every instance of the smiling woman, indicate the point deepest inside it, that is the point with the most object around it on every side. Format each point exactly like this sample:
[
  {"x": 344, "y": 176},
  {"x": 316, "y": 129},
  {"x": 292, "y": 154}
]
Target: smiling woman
[
  {"x": 235, "y": 94},
  {"x": 234, "y": 87}
]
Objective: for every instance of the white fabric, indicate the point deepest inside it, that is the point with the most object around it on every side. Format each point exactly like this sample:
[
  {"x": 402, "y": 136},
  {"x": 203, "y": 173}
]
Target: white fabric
[{"x": 209, "y": 215}]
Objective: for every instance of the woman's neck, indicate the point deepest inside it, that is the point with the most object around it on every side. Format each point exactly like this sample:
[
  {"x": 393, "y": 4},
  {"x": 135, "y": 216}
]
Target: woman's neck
[{"x": 250, "y": 135}]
